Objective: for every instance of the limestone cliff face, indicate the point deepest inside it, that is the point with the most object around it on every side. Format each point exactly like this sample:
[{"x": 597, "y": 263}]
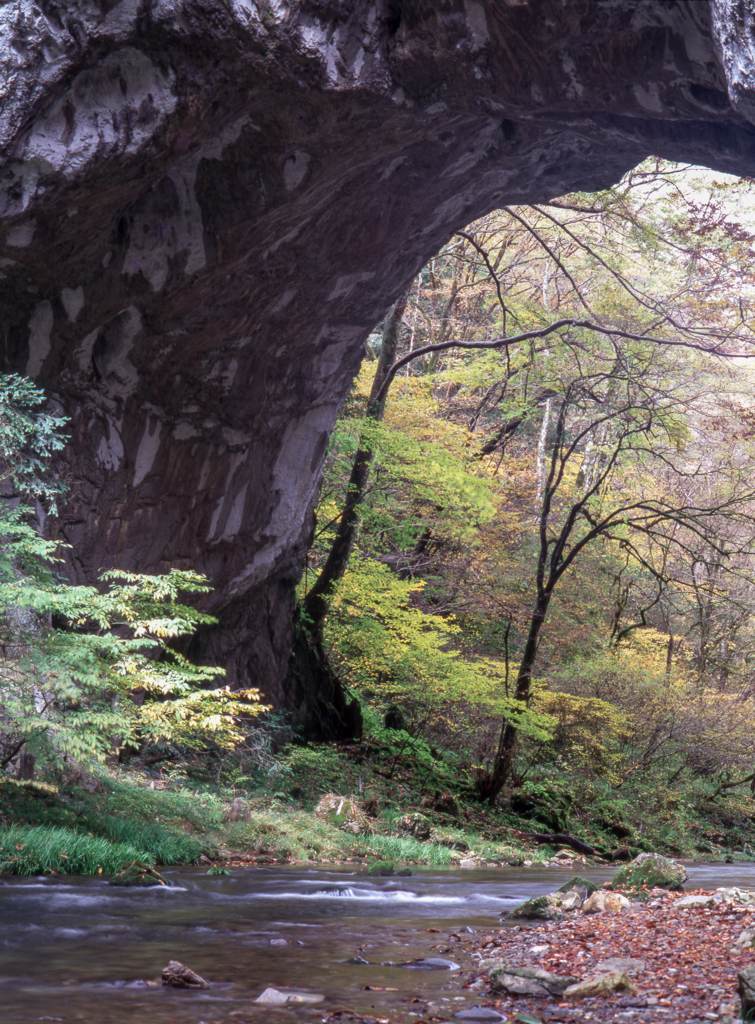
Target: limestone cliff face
[{"x": 205, "y": 205}]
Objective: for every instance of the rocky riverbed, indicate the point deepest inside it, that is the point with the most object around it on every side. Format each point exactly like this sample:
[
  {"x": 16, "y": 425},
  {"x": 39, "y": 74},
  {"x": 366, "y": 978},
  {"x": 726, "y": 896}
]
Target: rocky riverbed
[
  {"x": 680, "y": 959},
  {"x": 79, "y": 949}
]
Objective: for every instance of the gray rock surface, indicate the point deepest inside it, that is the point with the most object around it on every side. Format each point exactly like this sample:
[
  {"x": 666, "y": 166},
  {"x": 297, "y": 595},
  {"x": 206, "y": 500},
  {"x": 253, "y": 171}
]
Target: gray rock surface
[
  {"x": 282, "y": 997},
  {"x": 528, "y": 981},
  {"x": 432, "y": 963},
  {"x": 746, "y": 990},
  {"x": 480, "y": 1015},
  {"x": 206, "y": 205}
]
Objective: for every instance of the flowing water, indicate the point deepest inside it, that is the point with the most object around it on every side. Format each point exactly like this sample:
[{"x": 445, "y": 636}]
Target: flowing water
[{"x": 77, "y": 949}]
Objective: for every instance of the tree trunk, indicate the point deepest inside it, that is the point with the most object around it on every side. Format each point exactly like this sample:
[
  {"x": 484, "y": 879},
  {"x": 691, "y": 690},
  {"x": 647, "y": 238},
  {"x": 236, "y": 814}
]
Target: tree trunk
[
  {"x": 311, "y": 681},
  {"x": 316, "y": 603},
  {"x": 26, "y": 766},
  {"x": 314, "y": 686},
  {"x": 491, "y": 784}
]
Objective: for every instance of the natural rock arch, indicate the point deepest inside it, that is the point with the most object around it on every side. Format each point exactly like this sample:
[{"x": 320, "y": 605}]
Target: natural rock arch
[{"x": 207, "y": 204}]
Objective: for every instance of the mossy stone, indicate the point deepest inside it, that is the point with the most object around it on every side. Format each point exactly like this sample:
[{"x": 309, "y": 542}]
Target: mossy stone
[
  {"x": 381, "y": 867},
  {"x": 650, "y": 871},
  {"x": 583, "y": 886},
  {"x": 541, "y": 907}
]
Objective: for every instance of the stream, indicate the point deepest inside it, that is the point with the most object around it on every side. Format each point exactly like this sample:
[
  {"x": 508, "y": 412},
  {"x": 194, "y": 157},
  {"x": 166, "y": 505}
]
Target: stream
[{"x": 77, "y": 949}]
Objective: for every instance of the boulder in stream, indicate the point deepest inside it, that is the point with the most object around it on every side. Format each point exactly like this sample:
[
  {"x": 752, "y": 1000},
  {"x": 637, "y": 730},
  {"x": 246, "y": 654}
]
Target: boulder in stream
[
  {"x": 177, "y": 975},
  {"x": 578, "y": 884},
  {"x": 381, "y": 867},
  {"x": 650, "y": 871},
  {"x": 553, "y": 905}
]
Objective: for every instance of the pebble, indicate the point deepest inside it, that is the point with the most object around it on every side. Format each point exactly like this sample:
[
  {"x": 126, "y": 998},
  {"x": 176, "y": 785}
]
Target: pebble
[
  {"x": 480, "y": 1015},
  {"x": 275, "y": 997},
  {"x": 432, "y": 963}
]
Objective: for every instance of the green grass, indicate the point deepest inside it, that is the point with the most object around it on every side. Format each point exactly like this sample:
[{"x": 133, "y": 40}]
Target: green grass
[
  {"x": 72, "y": 831},
  {"x": 292, "y": 834},
  {"x": 165, "y": 846},
  {"x": 404, "y": 848},
  {"x": 38, "y": 850}
]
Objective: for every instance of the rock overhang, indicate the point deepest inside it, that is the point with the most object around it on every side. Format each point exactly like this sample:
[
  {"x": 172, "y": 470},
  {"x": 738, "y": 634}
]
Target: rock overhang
[{"x": 207, "y": 205}]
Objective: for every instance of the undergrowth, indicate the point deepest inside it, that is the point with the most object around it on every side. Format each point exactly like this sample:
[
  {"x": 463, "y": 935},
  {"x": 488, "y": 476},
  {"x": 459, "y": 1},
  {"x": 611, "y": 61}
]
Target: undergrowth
[
  {"x": 39, "y": 850},
  {"x": 87, "y": 821}
]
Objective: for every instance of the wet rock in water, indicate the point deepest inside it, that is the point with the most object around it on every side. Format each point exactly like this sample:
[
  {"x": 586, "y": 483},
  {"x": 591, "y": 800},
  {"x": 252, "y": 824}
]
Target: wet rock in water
[
  {"x": 381, "y": 867},
  {"x": 177, "y": 975},
  {"x": 139, "y": 874},
  {"x": 281, "y": 997},
  {"x": 649, "y": 871},
  {"x": 548, "y": 907},
  {"x": 403, "y": 873},
  {"x": 605, "y": 902},
  {"x": 432, "y": 963},
  {"x": 553, "y": 905},
  {"x": 601, "y": 985},
  {"x": 583, "y": 886},
  {"x": 511, "y": 979},
  {"x": 480, "y": 1015},
  {"x": 279, "y": 942},
  {"x": 357, "y": 960}
]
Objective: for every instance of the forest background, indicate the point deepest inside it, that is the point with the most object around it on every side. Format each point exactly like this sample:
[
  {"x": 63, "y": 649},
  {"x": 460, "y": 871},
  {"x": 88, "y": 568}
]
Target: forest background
[{"x": 533, "y": 567}]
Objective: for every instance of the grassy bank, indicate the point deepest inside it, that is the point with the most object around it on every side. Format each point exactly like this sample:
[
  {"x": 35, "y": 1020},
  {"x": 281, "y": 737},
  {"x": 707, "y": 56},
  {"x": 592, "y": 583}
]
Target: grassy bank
[{"x": 411, "y": 807}]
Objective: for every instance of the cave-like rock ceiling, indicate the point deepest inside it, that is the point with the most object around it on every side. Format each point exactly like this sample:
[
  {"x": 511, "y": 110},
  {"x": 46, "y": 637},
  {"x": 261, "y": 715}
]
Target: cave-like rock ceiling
[{"x": 207, "y": 204}]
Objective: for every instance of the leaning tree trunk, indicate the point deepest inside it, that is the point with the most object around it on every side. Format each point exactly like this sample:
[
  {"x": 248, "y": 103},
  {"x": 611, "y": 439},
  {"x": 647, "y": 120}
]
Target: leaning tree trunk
[
  {"x": 312, "y": 680},
  {"x": 316, "y": 603}
]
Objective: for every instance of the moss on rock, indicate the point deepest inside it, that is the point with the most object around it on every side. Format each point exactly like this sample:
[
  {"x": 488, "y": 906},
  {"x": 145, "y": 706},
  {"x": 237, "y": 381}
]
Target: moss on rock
[{"x": 650, "y": 871}]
